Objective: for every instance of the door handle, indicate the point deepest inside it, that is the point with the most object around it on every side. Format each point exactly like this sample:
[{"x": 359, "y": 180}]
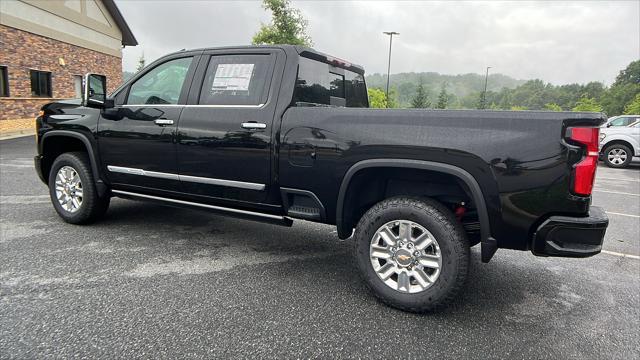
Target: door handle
[
  {"x": 163, "y": 122},
  {"x": 254, "y": 125}
]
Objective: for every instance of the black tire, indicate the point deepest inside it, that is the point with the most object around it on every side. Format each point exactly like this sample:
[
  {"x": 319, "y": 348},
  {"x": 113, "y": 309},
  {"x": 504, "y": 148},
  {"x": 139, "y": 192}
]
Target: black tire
[
  {"x": 92, "y": 206},
  {"x": 620, "y": 147},
  {"x": 450, "y": 236}
]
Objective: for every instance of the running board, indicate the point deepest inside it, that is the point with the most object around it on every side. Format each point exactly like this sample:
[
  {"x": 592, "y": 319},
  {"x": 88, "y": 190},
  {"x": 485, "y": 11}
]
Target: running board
[{"x": 242, "y": 214}]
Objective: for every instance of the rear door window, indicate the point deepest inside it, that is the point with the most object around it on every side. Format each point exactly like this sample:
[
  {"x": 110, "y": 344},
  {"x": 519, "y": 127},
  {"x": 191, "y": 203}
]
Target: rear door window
[
  {"x": 237, "y": 80},
  {"x": 319, "y": 83},
  {"x": 633, "y": 120}
]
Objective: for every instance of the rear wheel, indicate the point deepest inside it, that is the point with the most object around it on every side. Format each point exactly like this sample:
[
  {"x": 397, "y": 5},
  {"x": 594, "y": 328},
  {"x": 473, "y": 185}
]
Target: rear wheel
[
  {"x": 412, "y": 253},
  {"x": 617, "y": 156},
  {"x": 72, "y": 189}
]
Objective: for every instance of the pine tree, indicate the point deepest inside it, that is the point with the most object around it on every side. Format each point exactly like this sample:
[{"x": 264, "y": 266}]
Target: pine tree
[
  {"x": 141, "y": 63},
  {"x": 421, "y": 100},
  {"x": 443, "y": 98}
]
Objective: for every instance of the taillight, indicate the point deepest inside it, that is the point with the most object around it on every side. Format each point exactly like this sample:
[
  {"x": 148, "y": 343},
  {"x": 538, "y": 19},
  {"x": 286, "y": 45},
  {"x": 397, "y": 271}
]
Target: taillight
[
  {"x": 337, "y": 61},
  {"x": 584, "y": 172}
]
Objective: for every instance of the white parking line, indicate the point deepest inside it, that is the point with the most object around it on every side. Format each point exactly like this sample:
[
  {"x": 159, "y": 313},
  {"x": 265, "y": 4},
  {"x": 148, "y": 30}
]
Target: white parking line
[
  {"x": 636, "y": 257},
  {"x": 621, "y": 214},
  {"x": 617, "y": 179},
  {"x": 616, "y": 192}
]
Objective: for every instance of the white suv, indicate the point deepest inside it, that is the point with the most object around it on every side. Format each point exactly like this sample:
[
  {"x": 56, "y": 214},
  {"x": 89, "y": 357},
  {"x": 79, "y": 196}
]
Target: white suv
[{"x": 620, "y": 140}]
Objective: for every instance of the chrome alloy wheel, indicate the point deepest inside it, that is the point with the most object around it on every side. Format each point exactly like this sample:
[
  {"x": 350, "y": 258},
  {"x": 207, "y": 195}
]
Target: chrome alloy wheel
[
  {"x": 617, "y": 156},
  {"x": 69, "y": 189},
  {"x": 405, "y": 256}
]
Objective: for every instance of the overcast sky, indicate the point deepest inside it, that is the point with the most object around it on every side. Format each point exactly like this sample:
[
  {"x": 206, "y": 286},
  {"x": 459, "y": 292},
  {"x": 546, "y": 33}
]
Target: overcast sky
[{"x": 559, "y": 42}]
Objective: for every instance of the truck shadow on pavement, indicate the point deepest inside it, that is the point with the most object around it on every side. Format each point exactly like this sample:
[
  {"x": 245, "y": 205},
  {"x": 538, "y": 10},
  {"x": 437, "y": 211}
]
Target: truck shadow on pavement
[{"x": 516, "y": 285}]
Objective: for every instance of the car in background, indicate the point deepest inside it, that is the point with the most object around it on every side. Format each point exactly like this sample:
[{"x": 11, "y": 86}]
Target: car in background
[
  {"x": 621, "y": 120},
  {"x": 620, "y": 140}
]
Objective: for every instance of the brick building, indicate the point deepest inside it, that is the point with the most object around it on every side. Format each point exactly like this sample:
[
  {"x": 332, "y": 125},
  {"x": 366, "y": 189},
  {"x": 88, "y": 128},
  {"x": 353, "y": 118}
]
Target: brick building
[{"x": 46, "y": 46}]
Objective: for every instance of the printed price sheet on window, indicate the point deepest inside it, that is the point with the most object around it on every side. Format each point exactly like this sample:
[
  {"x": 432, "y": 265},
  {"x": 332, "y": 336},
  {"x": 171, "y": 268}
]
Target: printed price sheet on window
[{"x": 232, "y": 77}]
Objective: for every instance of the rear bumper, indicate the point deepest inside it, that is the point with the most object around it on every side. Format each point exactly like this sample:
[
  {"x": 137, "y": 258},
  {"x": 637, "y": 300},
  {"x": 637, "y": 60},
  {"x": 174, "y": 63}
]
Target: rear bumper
[{"x": 571, "y": 236}]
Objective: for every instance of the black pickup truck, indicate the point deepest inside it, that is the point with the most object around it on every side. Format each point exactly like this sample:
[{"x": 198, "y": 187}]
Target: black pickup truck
[{"x": 275, "y": 133}]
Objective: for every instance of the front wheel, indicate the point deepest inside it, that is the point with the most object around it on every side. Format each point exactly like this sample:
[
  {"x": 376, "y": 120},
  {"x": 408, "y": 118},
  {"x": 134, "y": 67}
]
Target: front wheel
[
  {"x": 73, "y": 191},
  {"x": 412, "y": 253},
  {"x": 617, "y": 156}
]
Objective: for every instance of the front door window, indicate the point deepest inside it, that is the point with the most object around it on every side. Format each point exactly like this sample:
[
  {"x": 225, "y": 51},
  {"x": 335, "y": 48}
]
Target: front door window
[{"x": 161, "y": 85}]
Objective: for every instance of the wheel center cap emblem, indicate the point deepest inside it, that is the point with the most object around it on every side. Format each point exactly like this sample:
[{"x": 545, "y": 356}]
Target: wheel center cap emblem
[{"x": 403, "y": 257}]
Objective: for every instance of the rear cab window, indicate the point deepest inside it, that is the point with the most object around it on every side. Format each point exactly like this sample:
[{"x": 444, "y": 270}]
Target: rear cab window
[{"x": 323, "y": 84}]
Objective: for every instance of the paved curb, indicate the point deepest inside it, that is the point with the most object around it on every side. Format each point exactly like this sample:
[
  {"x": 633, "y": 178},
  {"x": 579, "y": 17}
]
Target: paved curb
[{"x": 16, "y": 134}]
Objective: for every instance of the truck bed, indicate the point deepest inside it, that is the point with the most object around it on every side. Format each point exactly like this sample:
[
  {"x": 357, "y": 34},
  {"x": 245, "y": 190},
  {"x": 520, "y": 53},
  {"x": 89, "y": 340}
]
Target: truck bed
[{"x": 519, "y": 158}]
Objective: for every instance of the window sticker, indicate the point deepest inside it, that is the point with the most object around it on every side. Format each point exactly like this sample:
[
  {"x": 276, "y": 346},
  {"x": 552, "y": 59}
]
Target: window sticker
[{"x": 232, "y": 77}]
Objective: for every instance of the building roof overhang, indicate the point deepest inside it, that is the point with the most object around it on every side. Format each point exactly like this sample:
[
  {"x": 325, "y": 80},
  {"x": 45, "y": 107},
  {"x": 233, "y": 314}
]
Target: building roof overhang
[{"x": 127, "y": 36}]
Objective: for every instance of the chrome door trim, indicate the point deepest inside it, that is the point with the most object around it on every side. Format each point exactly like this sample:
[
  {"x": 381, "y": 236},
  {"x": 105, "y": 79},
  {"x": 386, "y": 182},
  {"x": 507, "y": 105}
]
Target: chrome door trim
[
  {"x": 206, "y": 206},
  {"x": 222, "y": 182},
  {"x": 64, "y": 117},
  {"x": 187, "y": 178},
  {"x": 140, "y": 172},
  {"x": 192, "y": 105}
]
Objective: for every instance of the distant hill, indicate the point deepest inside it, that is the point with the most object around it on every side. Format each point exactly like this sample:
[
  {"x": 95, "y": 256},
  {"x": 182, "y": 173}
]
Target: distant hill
[{"x": 460, "y": 86}]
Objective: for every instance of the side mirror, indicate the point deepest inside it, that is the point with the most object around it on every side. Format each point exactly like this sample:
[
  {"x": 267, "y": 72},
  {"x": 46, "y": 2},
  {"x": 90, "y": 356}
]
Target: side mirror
[
  {"x": 609, "y": 125},
  {"x": 95, "y": 91}
]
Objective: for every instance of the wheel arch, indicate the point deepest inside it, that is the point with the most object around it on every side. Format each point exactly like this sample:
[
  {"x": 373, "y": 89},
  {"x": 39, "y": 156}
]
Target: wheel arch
[
  {"x": 345, "y": 229},
  {"x": 621, "y": 141},
  {"x": 56, "y": 135}
]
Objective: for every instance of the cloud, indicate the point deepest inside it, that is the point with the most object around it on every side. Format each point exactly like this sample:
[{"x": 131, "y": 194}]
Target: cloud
[{"x": 559, "y": 42}]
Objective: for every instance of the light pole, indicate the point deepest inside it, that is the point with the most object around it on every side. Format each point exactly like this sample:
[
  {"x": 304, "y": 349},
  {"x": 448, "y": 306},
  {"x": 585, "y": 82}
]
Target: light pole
[
  {"x": 390, "y": 33},
  {"x": 484, "y": 93}
]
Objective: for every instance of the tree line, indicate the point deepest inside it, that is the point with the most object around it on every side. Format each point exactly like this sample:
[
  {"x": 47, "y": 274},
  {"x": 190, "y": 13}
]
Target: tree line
[{"x": 417, "y": 91}]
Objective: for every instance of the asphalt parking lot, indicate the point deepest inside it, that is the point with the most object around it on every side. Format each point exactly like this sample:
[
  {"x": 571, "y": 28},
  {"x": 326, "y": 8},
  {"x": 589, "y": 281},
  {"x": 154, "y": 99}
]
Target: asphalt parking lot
[{"x": 157, "y": 282}]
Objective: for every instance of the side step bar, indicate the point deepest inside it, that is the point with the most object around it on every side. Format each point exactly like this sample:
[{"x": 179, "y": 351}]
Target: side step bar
[{"x": 242, "y": 214}]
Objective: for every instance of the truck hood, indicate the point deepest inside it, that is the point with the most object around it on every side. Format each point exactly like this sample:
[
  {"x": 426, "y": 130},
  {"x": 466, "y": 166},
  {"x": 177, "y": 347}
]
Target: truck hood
[{"x": 55, "y": 107}]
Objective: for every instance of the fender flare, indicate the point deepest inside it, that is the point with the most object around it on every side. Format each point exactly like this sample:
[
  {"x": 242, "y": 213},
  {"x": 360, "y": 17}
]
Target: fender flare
[
  {"x": 489, "y": 245},
  {"x": 100, "y": 185}
]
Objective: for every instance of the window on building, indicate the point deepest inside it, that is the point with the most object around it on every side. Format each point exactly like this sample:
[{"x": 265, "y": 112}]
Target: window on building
[
  {"x": 77, "y": 84},
  {"x": 4, "y": 82},
  {"x": 40, "y": 83}
]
